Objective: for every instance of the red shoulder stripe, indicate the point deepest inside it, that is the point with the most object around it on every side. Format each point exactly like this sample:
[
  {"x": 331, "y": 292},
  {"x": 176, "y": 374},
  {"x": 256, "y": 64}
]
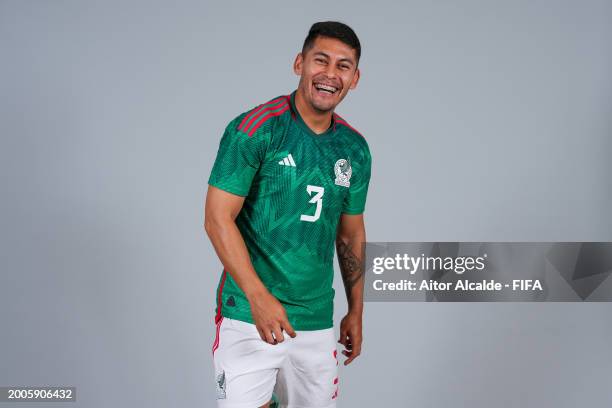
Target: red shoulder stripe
[
  {"x": 261, "y": 112},
  {"x": 345, "y": 123},
  {"x": 268, "y": 116},
  {"x": 257, "y": 109},
  {"x": 247, "y": 116}
]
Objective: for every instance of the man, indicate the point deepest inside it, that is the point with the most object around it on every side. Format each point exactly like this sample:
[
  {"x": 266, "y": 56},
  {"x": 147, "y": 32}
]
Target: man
[{"x": 290, "y": 178}]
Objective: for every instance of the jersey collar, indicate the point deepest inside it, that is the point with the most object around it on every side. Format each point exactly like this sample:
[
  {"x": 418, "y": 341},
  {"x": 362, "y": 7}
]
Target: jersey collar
[{"x": 298, "y": 119}]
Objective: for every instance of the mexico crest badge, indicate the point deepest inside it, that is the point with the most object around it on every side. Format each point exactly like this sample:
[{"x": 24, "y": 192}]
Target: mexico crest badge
[{"x": 343, "y": 171}]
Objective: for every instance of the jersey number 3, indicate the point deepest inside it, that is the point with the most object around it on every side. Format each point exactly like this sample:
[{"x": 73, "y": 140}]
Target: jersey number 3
[{"x": 316, "y": 199}]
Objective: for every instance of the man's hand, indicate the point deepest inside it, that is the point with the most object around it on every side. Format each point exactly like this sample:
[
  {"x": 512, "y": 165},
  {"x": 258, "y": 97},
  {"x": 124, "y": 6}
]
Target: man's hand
[
  {"x": 350, "y": 336},
  {"x": 270, "y": 318},
  {"x": 349, "y": 246},
  {"x": 269, "y": 315}
]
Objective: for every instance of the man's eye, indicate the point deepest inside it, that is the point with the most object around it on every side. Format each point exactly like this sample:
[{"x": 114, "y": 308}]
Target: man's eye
[
  {"x": 320, "y": 61},
  {"x": 344, "y": 66}
]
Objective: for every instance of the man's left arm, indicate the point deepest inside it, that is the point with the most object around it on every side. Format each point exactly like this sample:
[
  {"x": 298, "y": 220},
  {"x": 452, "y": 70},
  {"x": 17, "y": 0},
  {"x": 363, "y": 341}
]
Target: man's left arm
[{"x": 349, "y": 246}]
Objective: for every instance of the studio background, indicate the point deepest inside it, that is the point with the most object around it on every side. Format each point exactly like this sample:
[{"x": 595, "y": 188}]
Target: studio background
[{"x": 487, "y": 121}]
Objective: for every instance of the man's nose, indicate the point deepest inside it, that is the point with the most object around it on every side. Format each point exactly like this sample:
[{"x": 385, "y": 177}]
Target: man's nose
[{"x": 331, "y": 71}]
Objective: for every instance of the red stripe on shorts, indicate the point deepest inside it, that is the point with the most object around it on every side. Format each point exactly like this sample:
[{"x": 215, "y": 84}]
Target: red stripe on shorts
[{"x": 216, "y": 343}]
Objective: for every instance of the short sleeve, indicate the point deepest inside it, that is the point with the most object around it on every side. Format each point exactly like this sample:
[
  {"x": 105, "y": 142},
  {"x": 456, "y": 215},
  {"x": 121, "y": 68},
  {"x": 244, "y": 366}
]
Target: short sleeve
[
  {"x": 238, "y": 160},
  {"x": 355, "y": 199}
]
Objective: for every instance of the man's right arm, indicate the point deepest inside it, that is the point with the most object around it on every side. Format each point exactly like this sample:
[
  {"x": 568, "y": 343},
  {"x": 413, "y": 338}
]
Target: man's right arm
[{"x": 221, "y": 210}]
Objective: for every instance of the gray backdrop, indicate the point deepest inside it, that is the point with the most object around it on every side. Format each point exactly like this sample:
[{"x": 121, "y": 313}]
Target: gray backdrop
[{"x": 487, "y": 121}]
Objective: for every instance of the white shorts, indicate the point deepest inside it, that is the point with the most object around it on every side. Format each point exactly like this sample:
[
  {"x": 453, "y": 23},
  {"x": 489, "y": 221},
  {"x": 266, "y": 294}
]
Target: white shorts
[{"x": 302, "y": 372}]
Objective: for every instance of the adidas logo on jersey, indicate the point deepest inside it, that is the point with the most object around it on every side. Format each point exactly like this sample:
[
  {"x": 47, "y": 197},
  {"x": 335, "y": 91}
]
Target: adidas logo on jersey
[{"x": 287, "y": 161}]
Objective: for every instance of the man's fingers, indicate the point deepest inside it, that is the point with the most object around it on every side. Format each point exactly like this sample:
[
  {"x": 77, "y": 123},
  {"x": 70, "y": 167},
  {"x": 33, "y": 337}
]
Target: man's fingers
[
  {"x": 288, "y": 328},
  {"x": 268, "y": 336},
  {"x": 351, "y": 355},
  {"x": 273, "y": 333},
  {"x": 278, "y": 335},
  {"x": 261, "y": 334},
  {"x": 285, "y": 325},
  {"x": 353, "y": 348},
  {"x": 343, "y": 337},
  {"x": 346, "y": 342}
]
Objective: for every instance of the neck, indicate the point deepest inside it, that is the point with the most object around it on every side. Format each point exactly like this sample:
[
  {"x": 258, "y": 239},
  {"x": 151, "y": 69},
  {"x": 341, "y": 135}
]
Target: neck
[{"x": 318, "y": 121}]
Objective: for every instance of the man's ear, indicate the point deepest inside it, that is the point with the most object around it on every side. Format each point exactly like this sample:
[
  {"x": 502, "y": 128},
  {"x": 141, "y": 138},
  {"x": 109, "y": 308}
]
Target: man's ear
[
  {"x": 298, "y": 63},
  {"x": 355, "y": 80}
]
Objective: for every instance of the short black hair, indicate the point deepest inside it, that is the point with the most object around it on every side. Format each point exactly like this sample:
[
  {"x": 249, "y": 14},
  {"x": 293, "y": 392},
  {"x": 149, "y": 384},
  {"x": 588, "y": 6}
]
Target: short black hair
[{"x": 332, "y": 29}]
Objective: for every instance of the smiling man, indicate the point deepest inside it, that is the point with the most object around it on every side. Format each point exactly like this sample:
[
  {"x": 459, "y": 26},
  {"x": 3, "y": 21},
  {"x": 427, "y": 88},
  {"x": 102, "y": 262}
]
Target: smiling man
[{"x": 290, "y": 180}]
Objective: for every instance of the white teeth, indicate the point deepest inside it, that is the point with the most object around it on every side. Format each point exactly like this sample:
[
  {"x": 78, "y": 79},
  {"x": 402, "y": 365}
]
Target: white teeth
[{"x": 326, "y": 88}]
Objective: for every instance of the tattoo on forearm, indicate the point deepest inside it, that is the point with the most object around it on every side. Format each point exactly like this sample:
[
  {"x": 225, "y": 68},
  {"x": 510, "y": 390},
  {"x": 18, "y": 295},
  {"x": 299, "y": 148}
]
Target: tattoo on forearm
[{"x": 350, "y": 265}]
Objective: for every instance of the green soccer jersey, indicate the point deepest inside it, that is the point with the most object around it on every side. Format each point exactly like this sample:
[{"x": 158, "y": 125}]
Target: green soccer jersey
[{"x": 296, "y": 184}]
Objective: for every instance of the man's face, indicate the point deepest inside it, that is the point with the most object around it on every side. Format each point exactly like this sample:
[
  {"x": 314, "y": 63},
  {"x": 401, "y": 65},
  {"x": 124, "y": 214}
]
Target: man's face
[{"x": 327, "y": 71}]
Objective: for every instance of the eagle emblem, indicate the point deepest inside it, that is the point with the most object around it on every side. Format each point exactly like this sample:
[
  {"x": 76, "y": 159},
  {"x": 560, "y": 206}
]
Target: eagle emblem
[{"x": 343, "y": 171}]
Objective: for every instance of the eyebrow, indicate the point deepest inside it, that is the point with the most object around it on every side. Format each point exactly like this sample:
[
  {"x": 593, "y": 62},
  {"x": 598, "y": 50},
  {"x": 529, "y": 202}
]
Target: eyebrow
[{"x": 350, "y": 61}]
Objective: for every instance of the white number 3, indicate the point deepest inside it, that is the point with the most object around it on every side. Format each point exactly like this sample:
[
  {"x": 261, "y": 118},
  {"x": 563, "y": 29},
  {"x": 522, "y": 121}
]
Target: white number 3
[{"x": 318, "y": 199}]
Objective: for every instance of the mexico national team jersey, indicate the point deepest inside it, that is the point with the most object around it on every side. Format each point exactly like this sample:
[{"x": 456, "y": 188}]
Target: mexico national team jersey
[{"x": 296, "y": 185}]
